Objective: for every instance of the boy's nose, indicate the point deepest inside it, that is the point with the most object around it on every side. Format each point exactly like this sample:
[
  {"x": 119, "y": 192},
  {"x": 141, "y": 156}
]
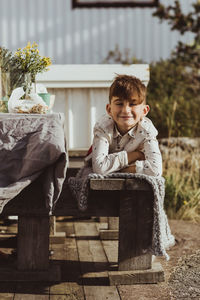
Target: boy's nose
[{"x": 126, "y": 108}]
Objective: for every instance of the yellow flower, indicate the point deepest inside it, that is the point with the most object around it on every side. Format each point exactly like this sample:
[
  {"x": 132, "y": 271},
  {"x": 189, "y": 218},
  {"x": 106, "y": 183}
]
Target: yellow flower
[
  {"x": 34, "y": 45},
  {"x": 30, "y": 61},
  {"x": 185, "y": 202},
  {"x": 28, "y": 45}
]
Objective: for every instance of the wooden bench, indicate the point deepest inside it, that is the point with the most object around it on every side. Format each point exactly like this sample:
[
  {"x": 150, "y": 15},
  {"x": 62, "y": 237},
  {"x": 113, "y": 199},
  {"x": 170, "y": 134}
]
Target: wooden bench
[{"x": 129, "y": 199}]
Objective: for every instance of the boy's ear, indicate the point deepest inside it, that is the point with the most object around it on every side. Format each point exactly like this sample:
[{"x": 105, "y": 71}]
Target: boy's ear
[
  {"x": 108, "y": 109},
  {"x": 146, "y": 109}
]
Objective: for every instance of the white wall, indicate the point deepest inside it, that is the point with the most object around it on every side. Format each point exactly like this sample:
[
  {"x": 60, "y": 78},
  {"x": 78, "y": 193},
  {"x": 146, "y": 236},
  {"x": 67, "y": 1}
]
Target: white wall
[{"x": 75, "y": 36}]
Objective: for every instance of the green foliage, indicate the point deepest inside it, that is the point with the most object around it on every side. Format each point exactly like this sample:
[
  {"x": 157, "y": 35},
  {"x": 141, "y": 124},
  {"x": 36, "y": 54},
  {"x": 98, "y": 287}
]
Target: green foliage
[
  {"x": 174, "y": 88},
  {"x": 8, "y": 64},
  {"x": 177, "y": 19},
  {"x": 174, "y": 102},
  {"x": 22, "y": 62},
  {"x": 30, "y": 61},
  {"x": 6, "y": 59},
  {"x": 187, "y": 55},
  {"x": 117, "y": 57}
]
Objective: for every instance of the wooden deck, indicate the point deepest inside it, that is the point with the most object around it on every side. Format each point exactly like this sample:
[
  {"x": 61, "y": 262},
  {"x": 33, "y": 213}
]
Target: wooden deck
[{"x": 84, "y": 259}]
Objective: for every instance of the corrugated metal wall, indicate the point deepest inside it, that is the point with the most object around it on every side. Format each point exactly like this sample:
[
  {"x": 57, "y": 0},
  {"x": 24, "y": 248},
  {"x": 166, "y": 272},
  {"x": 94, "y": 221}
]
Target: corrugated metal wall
[{"x": 85, "y": 35}]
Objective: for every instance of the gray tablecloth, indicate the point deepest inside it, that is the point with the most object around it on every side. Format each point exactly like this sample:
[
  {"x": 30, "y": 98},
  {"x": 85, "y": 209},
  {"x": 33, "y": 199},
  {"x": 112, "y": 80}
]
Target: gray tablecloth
[{"x": 30, "y": 145}]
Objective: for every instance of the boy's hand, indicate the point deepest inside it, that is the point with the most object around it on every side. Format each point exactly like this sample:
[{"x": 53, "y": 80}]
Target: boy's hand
[
  {"x": 135, "y": 155},
  {"x": 130, "y": 169}
]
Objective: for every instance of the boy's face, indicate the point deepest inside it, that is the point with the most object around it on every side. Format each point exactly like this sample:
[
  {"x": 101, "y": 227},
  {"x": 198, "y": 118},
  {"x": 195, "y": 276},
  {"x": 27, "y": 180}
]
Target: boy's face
[{"x": 126, "y": 113}]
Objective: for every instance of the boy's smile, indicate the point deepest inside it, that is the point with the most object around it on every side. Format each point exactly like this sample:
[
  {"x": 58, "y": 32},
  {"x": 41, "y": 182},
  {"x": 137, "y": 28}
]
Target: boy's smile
[{"x": 126, "y": 113}]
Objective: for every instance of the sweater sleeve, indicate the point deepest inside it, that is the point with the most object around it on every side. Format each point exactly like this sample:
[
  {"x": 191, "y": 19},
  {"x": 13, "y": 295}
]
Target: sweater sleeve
[
  {"x": 152, "y": 165},
  {"x": 102, "y": 162}
]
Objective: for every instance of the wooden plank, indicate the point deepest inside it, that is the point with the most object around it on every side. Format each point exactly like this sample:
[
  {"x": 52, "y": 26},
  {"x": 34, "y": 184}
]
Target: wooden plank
[
  {"x": 68, "y": 254},
  {"x": 111, "y": 250},
  {"x": 153, "y": 275},
  {"x": 33, "y": 243},
  {"x": 55, "y": 237},
  {"x": 7, "y": 236},
  {"x": 64, "y": 297},
  {"x": 110, "y": 229},
  {"x": 101, "y": 292},
  {"x": 111, "y": 184},
  {"x": 135, "y": 230},
  {"x": 99, "y": 258},
  {"x": 6, "y": 296},
  {"x": 137, "y": 185},
  {"x": 67, "y": 290},
  {"x": 77, "y": 155},
  {"x": 113, "y": 223},
  {"x": 85, "y": 230},
  {"x": 33, "y": 288},
  {"x": 11, "y": 274},
  {"x": 103, "y": 223},
  {"x": 85, "y": 256},
  {"x": 69, "y": 229},
  {"x": 31, "y": 297},
  {"x": 117, "y": 184},
  {"x": 94, "y": 266},
  {"x": 112, "y": 233},
  {"x": 109, "y": 234}
]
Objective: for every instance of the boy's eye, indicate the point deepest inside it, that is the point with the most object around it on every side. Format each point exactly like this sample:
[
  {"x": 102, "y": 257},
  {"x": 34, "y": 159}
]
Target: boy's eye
[
  {"x": 119, "y": 103},
  {"x": 133, "y": 104}
]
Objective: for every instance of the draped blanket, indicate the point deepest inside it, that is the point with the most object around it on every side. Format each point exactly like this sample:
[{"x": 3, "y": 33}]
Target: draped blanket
[
  {"x": 162, "y": 237},
  {"x": 30, "y": 145}
]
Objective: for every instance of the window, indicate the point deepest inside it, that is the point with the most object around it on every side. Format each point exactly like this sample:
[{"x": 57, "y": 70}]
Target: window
[{"x": 113, "y": 3}]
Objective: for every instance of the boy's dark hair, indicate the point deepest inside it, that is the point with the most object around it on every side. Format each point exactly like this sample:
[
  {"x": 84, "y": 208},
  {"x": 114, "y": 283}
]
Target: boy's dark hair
[{"x": 123, "y": 87}]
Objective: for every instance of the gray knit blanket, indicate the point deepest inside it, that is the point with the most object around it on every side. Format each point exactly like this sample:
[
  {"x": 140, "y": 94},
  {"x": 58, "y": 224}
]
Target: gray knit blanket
[
  {"x": 31, "y": 145},
  {"x": 162, "y": 238}
]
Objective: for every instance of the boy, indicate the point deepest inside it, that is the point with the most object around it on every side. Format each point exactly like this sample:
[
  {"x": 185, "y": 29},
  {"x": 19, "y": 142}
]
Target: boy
[{"x": 124, "y": 139}]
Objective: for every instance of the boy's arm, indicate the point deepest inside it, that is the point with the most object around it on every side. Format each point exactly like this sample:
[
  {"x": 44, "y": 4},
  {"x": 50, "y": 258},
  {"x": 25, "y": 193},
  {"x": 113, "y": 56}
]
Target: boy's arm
[
  {"x": 103, "y": 162},
  {"x": 129, "y": 169},
  {"x": 147, "y": 160},
  {"x": 152, "y": 165},
  {"x": 135, "y": 155}
]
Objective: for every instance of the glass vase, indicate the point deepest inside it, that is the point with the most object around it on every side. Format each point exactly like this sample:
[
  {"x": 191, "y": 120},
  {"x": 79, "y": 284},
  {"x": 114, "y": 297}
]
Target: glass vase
[
  {"x": 27, "y": 84},
  {"x": 5, "y": 90}
]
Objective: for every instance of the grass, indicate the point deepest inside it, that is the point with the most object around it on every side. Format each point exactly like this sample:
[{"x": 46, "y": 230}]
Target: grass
[{"x": 182, "y": 194}]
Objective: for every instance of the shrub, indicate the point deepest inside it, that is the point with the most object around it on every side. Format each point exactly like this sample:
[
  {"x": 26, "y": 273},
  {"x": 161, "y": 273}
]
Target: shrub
[
  {"x": 182, "y": 70},
  {"x": 174, "y": 104}
]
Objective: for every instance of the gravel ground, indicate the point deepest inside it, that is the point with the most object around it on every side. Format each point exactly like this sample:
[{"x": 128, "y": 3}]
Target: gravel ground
[{"x": 184, "y": 281}]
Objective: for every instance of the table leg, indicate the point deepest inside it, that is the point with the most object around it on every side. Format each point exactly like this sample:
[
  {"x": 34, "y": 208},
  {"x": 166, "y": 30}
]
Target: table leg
[
  {"x": 33, "y": 243},
  {"x": 135, "y": 230}
]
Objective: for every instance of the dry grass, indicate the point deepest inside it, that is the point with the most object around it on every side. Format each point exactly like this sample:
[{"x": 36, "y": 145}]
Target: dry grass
[{"x": 182, "y": 174}]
